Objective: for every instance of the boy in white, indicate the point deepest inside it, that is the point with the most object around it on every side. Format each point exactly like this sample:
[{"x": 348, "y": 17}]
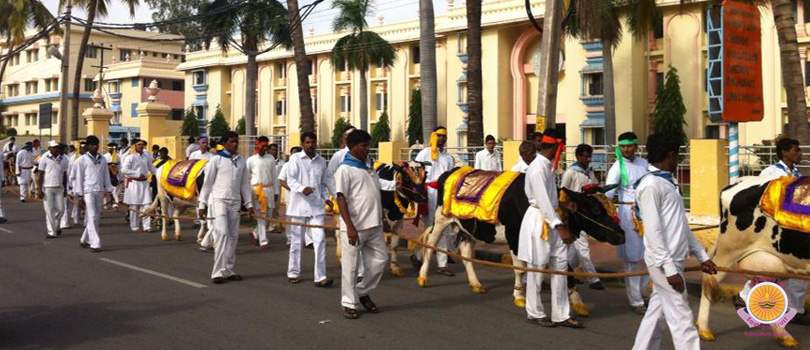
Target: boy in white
[
  {"x": 92, "y": 182},
  {"x": 204, "y": 152},
  {"x": 226, "y": 187},
  {"x": 543, "y": 238},
  {"x": 262, "y": 168},
  {"x": 488, "y": 158},
  {"x": 114, "y": 160},
  {"x": 23, "y": 169},
  {"x": 358, "y": 197},
  {"x": 310, "y": 182},
  {"x": 668, "y": 239},
  {"x": 575, "y": 178},
  {"x": 138, "y": 195},
  {"x": 51, "y": 188}
]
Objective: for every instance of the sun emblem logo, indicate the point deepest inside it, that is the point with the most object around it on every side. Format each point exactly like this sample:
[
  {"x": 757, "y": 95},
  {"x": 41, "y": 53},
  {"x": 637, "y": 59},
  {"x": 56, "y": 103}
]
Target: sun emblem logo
[{"x": 767, "y": 302}]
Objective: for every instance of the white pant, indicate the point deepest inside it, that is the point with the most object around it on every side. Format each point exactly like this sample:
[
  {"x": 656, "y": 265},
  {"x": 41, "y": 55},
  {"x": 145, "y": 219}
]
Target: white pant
[
  {"x": 635, "y": 285},
  {"x": 146, "y": 221},
  {"x": 208, "y": 238},
  {"x": 54, "y": 208},
  {"x": 579, "y": 253},
  {"x": 66, "y": 217},
  {"x": 667, "y": 308},
  {"x": 2, "y": 212},
  {"x": 369, "y": 253},
  {"x": 115, "y": 191},
  {"x": 297, "y": 238},
  {"x": 226, "y": 235},
  {"x": 24, "y": 180},
  {"x": 260, "y": 231},
  {"x": 93, "y": 202},
  {"x": 558, "y": 260},
  {"x": 445, "y": 241}
]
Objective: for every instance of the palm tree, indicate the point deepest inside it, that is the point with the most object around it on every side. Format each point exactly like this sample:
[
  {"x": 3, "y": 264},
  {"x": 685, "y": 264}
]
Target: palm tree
[
  {"x": 359, "y": 49},
  {"x": 257, "y": 22},
  {"x": 475, "y": 93},
  {"x": 427, "y": 62},
  {"x": 302, "y": 68},
  {"x": 93, "y": 8},
  {"x": 17, "y": 16}
]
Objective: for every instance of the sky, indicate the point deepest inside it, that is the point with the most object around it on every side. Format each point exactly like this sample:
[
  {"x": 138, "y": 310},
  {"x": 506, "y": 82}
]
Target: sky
[{"x": 320, "y": 19}]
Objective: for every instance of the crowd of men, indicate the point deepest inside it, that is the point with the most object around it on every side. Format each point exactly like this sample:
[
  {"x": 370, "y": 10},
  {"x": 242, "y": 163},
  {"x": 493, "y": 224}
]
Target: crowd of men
[{"x": 646, "y": 190}]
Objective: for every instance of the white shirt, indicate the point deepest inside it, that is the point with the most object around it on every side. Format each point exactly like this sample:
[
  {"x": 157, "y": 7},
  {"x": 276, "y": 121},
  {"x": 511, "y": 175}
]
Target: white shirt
[
  {"x": 10, "y": 148},
  {"x": 301, "y": 172},
  {"x": 138, "y": 165},
  {"x": 191, "y": 149},
  {"x": 71, "y": 169},
  {"x": 54, "y": 168},
  {"x": 362, "y": 191},
  {"x": 25, "y": 159},
  {"x": 575, "y": 178},
  {"x": 91, "y": 175},
  {"x": 437, "y": 167},
  {"x": 279, "y": 169},
  {"x": 778, "y": 170},
  {"x": 635, "y": 170},
  {"x": 485, "y": 160},
  {"x": 262, "y": 170},
  {"x": 109, "y": 158},
  {"x": 226, "y": 178},
  {"x": 520, "y": 167},
  {"x": 541, "y": 190},
  {"x": 198, "y": 154},
  {"x": 337, "y": 158},
  {"x": 667, "y": 237}
]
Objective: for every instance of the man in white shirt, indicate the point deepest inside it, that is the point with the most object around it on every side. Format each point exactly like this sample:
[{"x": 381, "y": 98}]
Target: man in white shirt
[
  {"x": 273, "y": 151},
  {"x": 527, "y": 152},
  {"x": 192, "y": 146},
  {"x": 668, "y": 240},
  {"x": 440, "y": 162},
  {"x": 205, "y": 153},
  {"x": 71, "y": 216},
  {"x": 282, "y": 183},
  {"x": 627, "y": 169},
  {"x": 543, "y": 238},
  {"x": 337, "y": 158},
  {"x": 226, "y": 187},
  {"x": 575, "y": 178},
  {"x": 138, "y": 195},
  {"x": 488, "y": 158},
  {"x": 358, "y": 197},
  {"x": 52, "y": 183},
  {"x": 23, "y": 167},
  {"x": 310, "y": 182},
  {"x": 114, "y": 162},
  {"x": 10, "y": 148},
  {"x": 37, "y": 152},
  {"x": 92, "y": 182},
  {"x": 262, "y": 168}
]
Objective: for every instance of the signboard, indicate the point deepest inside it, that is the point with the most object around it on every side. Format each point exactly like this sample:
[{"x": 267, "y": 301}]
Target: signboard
[
  {"x": 45, "y": 112},
  {"x": 540, "y": 124}
]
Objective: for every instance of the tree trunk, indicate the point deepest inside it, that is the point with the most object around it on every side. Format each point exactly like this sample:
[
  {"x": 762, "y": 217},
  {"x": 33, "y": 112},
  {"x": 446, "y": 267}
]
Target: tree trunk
[
  {"x": 609, "y": 92},
  {"x": 791, "y": 70},
  {"x": 10, "y": 45},
  {"x": 549, "y": 63},
  {"x": 302, "y": 70},
  {"x": 77, "y": 79},
  {"x": 250, "y": 95},
  {"x": 427, "y": 62},
  {"x": 475, "y": 93},
  {"x": 363, "y": 101}
]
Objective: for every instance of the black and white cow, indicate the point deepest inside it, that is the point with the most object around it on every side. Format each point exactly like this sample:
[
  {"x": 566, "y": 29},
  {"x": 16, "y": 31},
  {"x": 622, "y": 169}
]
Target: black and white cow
[{"x": 753, "y": 241}]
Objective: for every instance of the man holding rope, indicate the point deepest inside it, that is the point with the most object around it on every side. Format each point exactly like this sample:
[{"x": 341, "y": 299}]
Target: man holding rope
[
  {"x": 262, "y": 168},
  {"x": 668, "y": 239},
  {"x": 138, "y": 195}
]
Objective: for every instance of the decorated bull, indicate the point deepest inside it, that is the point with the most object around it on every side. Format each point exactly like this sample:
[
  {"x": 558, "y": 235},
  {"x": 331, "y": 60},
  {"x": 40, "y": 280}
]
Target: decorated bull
[
  {"x": 178, "y": 189},
  {"x": 472, "y": 202},
  {"x": 763, "y": 227}
]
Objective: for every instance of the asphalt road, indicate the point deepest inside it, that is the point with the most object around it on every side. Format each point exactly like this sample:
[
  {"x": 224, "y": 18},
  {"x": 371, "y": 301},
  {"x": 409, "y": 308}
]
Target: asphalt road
[{"x": 56, "y": 295}]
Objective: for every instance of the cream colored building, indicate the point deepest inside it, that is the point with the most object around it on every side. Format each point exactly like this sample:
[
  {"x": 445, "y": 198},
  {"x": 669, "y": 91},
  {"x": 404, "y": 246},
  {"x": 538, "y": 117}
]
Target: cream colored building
[{"x": 511, "y": 52}]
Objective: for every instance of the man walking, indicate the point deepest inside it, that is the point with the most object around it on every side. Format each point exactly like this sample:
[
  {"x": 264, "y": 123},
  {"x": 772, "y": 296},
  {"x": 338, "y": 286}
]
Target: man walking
[
  {"x": 138, "y": 195},
  {"x": 23, "y": 167},
  {"x": 205, "y": 153},
  {"x": 114, "y": 163},
  {"x": 488, "y": 158},
  {"x": 310, "y": 182},
  {"x": 52, "y": 184},
  {"x": 92, "y": 183},
  {"x": 71, "y": 216},
  {"x": 358, "y": 197},
  {"x": 226, "y": 187},
  {"x": 262, "y": 168},
  {"x": 192, "y": 146},
  {"x": 668, "y": 240}
]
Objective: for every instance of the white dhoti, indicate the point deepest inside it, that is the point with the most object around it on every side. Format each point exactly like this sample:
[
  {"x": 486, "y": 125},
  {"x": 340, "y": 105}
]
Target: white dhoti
[
  {"x": 667, "y": 308},
  {"x": 369, "y": 253},
  {"x": 226, "y": 236},
  {"x": 66, "y": 217},
  {"x": 260, "y": 232},
  {"x": 297, "y": 240},
  {"x": 632, "y": 253},
  {"x": 116, "y": 193},
  {"x": 208, "y": 238},
  {"x": 54, "y": 208},
  {"x": 93, "y": 202},
  {"x": 24, "y": 180},
  {"x": 579, "y": 253},
  {"x": 446, "y": 240},
  {"x": 138, "y": 197},
  {"x": 539, "y": 253}
]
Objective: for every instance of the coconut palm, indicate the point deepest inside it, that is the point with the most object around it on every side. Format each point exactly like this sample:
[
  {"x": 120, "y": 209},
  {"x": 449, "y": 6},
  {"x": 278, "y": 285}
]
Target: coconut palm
[
  {"x": 93, "y": 8},
  {"x": 475, "y": 93},
  {"x": 18, "y": 15},
  {"x": 257, "y": 22},
  {"x": 359, "y": 49},
  {"x": 427, "y": 62},
  {"x": 302, "y": 69}
]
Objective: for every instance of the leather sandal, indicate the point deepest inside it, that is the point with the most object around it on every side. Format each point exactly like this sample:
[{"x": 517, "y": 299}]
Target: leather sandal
[
  {"x": 294, "y": 280},
  {"x": 235, "y": 278},
  {"x": 570, "y": 323},
  {"x": 543, "y": 322},
  {"x": 325, "y": 283},
  {"x": 350, "y": 314},
  {"x": 445, "y": 272},
  {"x": 369, "y": 305}
]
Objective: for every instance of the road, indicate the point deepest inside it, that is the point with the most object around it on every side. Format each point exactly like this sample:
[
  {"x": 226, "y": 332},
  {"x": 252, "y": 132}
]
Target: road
[{"x": 142, "y": 293}]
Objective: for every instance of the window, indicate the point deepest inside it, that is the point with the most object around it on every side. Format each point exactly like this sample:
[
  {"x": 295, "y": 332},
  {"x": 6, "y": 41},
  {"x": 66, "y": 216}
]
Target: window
[
  {"x": 282, "y": 70},
  {"x": 177, "y": 114},
  {"x": 135, "y": 82},
  {"x": 415, "y": 54},
  {"x": 178, "y": 85},
  {"x": 200, "y": 112},
  {"x": 382, "y": 101},
  {"x": 92, "y": 52},
  {"x": 199, "y": 77},
  {"x": 310, "y": 64},
  {"x": 54, "y": 118},
  {"x": 712, "y": 132},
  {"x": 51, "y": 84},
  {"x": 114, "y": 87},
  {"x": 598, "y": 136},
  {"x": 124, "y": 55},
  {"x": 658, "y": 27},
  {"x": 279, "y": 108},
  {"x": 342, "y": 68},
  {"x": 30, "y": 88},
  {"x": 594, "y": 83},
  {"x": 116, "y": 118},
  {"x": 134, "y": 110},
  {"x": 659, "y": 83},
  {"x": 154, "y": 54},
  {"x": 30, "y": 119},
  {"x": 32, "y": 55},
  {"x": 90, "y": 85},
  {"x": 13, "y": 90},
  {"x": 806, "y": 4},
  {"x": 345, "y": 103}
]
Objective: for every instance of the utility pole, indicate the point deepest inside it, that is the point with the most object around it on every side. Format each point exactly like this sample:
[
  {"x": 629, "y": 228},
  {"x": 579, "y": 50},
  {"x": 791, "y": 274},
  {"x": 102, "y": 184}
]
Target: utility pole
[
  {"x": 100, "y": 68},
  {"x": 549, "y": 63},
  {"x": 63, "y": 82}
]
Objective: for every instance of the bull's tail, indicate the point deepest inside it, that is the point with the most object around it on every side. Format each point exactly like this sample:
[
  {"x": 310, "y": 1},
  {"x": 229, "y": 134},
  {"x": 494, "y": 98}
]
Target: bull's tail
[{"x": 710, "y": 288}]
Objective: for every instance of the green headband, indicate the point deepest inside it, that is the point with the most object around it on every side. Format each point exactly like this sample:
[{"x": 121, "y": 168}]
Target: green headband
[
  {"x": 624, "y": 176},
  {"x": 628, "y": 142}
]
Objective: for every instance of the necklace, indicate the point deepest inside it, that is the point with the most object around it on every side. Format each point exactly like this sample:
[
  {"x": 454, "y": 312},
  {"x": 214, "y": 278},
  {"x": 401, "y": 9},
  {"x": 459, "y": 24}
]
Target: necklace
[{"x": 408, "y": 212}]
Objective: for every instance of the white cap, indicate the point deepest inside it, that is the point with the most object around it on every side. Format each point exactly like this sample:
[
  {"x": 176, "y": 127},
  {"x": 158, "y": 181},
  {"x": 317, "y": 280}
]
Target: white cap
[{"x": 53, "y": 143}]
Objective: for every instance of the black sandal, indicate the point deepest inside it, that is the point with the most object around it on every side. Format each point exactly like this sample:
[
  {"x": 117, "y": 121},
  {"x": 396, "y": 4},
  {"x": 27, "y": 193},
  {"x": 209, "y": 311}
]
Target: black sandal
[
  {"x": 543, "y": 322},
  {"x": 350, "y": 314},
  {"x": 234, "y": 278},
  {"x": 570, "y": 323}
]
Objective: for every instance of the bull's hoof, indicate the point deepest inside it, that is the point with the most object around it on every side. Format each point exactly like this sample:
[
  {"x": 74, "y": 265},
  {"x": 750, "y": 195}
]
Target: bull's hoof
[
  {"x": 706, "y": 335},
  {"x": 422, "y": 282},
  {"x": 178, "y": 238},
  {"x": 479, "y": 289},
  {"x": 521, "y": 303},
  {"x": 396, "y": 271},
  {"x": 580, "y": 310},
  {"x": 199, "y": 240},
  {"x": 164, "y": 238},
  {"x": 788, "y": 342}
]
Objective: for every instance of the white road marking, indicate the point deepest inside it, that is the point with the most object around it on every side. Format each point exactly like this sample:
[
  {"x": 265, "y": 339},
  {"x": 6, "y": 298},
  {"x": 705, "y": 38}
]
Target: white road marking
[
  {"x": 154, "y": 273},
  {"x": 6, "y": 230}
]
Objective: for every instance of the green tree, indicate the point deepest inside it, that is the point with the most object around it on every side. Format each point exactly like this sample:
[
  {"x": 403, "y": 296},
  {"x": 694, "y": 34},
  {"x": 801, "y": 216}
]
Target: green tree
[
  {"x": 359, "y": 49},
  {"x": 669, "y": 108},
  {"x": 240, "y": 127},
  {"x": 16, "y": 17},
  {"x": 218, "y": 127},
  {"x": 415, "y": 118},
  {"x": 337, "y": 132},
  {"x": 190, "y": 125},
  {"x": 381, "y": 131},
  {"x": 164, "y": 10}
]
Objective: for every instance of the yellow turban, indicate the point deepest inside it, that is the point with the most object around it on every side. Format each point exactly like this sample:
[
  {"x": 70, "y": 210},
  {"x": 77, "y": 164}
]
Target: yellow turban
[{"x": 434, "y": 143}]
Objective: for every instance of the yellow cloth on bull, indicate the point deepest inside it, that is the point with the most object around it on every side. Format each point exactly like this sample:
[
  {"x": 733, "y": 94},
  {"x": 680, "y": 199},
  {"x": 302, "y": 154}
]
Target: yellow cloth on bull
[
  {"x": 475, "y": 194},
  {"x": 181, "y": 179},
  {"x": 787, "y": 201}
]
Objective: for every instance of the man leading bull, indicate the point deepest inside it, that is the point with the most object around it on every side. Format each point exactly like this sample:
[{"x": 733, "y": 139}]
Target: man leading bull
[{"x": 138, "y": 195}]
